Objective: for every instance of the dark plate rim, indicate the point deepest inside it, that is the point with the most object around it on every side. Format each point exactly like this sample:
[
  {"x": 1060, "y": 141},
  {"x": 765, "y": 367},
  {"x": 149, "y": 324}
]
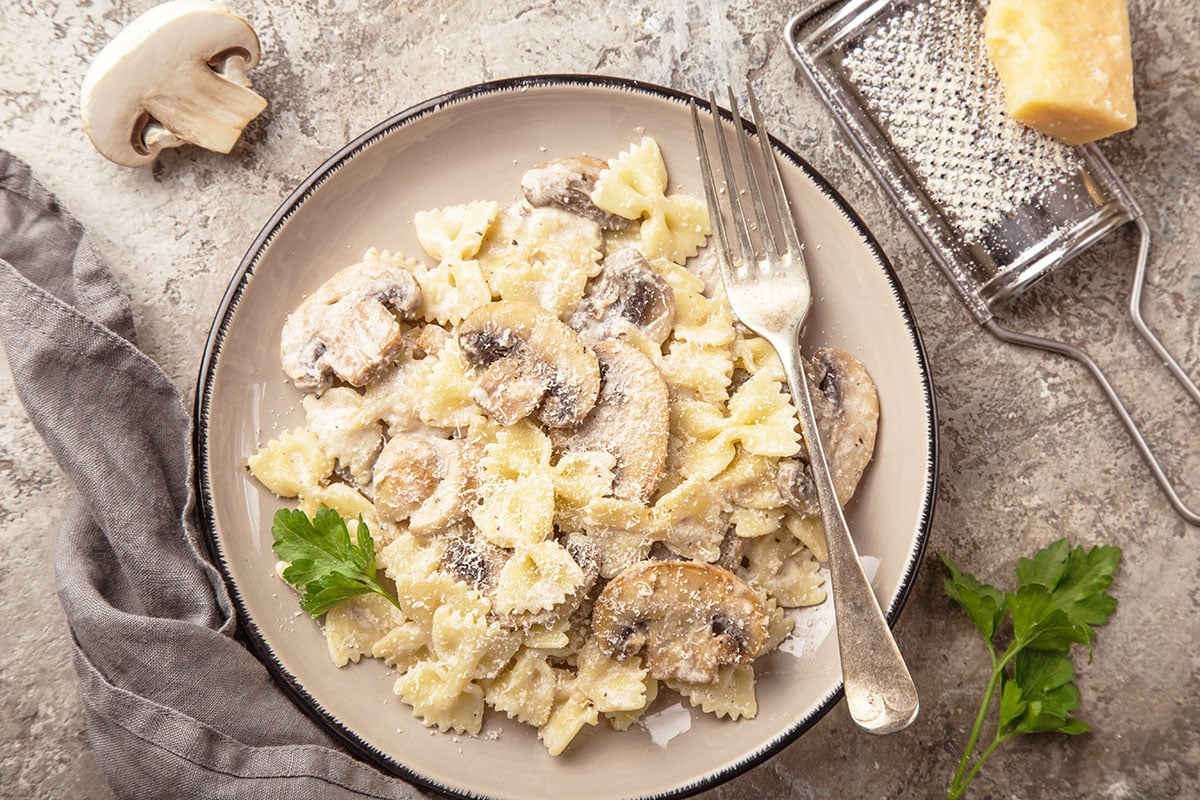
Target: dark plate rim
[{"x": 212, "y": 350}]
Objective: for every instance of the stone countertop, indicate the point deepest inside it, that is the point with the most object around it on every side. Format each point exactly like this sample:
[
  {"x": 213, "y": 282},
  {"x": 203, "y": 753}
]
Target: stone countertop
[{"x": 1030, "y": 450}]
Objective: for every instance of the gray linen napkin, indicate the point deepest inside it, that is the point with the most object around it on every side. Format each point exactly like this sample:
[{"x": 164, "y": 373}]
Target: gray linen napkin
[{"x": 175, "y": 706}]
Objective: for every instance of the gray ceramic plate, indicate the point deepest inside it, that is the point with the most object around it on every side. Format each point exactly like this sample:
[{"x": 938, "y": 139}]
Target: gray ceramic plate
[{"x": 475, "y": 144}]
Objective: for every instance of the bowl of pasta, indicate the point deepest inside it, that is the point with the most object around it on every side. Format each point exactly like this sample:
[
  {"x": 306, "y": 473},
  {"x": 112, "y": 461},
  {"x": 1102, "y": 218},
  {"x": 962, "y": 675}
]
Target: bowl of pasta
[{"x": 475, "y": 402}]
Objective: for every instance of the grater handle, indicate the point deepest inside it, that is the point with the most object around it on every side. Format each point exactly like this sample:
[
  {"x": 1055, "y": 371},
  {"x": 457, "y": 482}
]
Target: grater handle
[
  {"x": 1135, "y": 312},
  {"x": 1071, "y": 351}
]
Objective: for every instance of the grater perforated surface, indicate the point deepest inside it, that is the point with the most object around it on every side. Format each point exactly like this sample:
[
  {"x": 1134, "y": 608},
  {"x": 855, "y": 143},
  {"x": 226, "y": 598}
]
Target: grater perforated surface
[
  {"x": 925, "y": 76},
  {"x": 997, "y": 204}
]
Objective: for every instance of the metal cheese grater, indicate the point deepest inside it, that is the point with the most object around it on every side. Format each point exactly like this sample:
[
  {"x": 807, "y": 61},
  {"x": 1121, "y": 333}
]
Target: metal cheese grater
[{"x": 996, "y": 204}]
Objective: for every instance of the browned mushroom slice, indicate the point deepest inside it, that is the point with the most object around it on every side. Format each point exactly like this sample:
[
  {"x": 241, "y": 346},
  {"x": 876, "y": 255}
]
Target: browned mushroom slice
[
  {"x": 687, "y": 618},
  {"x": 423, "y": 479},
  {"x": 348, "y": 328},
  {"x": 530, "y": 362},
  {"x": 567, "y": 183},
  {"x": 847, "y": 408},
  {"x": 631, "y": 420},
  {"x": 626, "y": 294}
]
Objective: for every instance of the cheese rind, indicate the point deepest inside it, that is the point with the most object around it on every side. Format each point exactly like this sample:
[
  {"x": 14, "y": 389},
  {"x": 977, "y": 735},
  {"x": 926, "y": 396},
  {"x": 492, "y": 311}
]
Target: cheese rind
[{"x": 1065, "y": 65}]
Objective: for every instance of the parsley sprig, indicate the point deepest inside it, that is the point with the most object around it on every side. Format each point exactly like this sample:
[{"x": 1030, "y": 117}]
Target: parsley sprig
[
  {"x": 1061, "y": 597},
  {"x": 326, "y": 566}
]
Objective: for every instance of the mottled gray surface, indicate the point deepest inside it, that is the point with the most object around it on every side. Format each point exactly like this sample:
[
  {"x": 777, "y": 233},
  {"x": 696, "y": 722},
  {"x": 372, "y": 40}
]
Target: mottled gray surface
[{"x": 1029, "y": 450}]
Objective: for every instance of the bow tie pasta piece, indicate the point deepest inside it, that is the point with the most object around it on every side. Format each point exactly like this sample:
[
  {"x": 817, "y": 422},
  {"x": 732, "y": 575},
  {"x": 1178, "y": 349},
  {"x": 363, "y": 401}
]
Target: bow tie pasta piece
[
  {"x": 456, "y": 232},
  {"x": 451, "y": 291},
  {"x": 526, "y": 689},
  {"x": 470, "y": 645},
  {"x": 516, "y": 488},
  {"x": 541, "y": 255},
  {"x": 536, "y": 578},
  {"x": 635, "y": 186},
  {"x": 699, "y": 318},
  {"x": 439, "y": 699},
  {"x": 295, "y": 465},
  {"x": 566, "y": 721},
  {"x": 761, "y": 420},
  {"x": 732, "y": 695},
  {"x": 782, "y": 566},
  {"x": 445, "y": 398},
  {"x": 354, "y": 626}
]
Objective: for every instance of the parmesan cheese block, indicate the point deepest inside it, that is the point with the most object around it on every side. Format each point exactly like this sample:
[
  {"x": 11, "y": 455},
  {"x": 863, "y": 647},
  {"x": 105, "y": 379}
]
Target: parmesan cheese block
[{"x": 1065, "y": 65}]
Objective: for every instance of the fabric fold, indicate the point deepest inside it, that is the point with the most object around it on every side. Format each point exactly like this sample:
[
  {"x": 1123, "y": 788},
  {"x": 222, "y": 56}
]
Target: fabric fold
[{"x": 175, "y": 705}]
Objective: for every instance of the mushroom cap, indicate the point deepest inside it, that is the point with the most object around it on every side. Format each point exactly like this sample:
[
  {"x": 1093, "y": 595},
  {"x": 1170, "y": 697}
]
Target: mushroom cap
[
  {"x": 568, "y": 183},
  {"x": 688, "y": 619},
  {"x": 530, "y": 362},
  {"x": 159, "y": 48},
  {"x": 627, "y": 294},
  {"x": 347, "y": 328},
  {"x": 847, "y": 408},
  {"x": 631, "y": 420},
  {"x": 424, "y": 479}
]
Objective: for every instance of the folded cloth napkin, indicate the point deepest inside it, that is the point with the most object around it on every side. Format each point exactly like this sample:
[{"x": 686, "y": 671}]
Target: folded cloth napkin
[{"x": 176, "y": 707}]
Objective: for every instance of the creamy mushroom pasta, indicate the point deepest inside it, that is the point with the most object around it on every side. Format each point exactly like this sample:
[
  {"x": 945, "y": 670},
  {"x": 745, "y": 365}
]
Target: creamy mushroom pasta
[{"x": 582, "y": 476}]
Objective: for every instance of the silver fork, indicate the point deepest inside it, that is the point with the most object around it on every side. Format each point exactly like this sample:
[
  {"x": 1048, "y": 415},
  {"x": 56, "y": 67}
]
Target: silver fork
[{"x": 770, "y": 294}]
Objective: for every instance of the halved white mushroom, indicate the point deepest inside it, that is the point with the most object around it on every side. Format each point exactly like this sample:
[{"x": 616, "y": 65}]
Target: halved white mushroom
[
  {"x": 626, "y": 295},
  {"x": 847, "y": 409},
  {"x": 423, "y": 479},
  {"x": 529, "y": 362},
  {"x": 176, "y": 74},
  {"x": 687, "y": 618},
  {"x": 631, "y": 420},
  {"x": 567, "y": 183},
  {"x": 347, "y": 328}
]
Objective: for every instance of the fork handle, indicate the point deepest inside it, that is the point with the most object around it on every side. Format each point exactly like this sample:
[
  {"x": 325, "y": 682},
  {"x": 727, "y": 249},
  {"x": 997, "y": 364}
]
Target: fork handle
[{"x": 879, "y": 689}]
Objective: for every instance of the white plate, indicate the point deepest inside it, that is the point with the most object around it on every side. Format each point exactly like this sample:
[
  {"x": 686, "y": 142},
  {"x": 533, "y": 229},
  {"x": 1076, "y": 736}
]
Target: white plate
[{"x": 475, "y": 144}]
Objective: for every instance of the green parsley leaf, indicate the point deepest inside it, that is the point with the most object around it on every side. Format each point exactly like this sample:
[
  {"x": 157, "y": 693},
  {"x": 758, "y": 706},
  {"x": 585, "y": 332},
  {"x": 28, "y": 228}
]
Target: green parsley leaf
[
  {"x": 1061, "y": 597},
  {"x": 1037, "y": 623},
  {"x": 325, "y": 565},
  {"x": 984, "y": 603},
  {"x": 1049, "y": 695}
]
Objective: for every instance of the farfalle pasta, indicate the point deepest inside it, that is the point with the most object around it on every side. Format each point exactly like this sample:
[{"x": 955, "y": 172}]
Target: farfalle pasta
[{"x": 568, "y": 452}]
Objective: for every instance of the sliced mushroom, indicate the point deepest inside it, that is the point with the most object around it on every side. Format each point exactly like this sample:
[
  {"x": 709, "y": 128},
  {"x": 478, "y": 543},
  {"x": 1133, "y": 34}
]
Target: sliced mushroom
[
  {"x": 475, "y": 560},
  {"x": 631, "y": 420},
  {"x": 530, "y": 363},
  {"x": 176, "y": 74},
  {"x": 733, "y": 549},
  {"x": 847, "y": 409},
  {"x": 423, "y": 479},
  {"x": 687, "y": 618},
  {"x": 567, "y": 183},
  {"x": 626, "y": 295},
  {"x": 346, "y": 328}
]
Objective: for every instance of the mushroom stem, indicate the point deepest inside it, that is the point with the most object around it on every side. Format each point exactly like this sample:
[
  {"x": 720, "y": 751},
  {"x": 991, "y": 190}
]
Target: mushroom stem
[{"x": 204, "y": 108}]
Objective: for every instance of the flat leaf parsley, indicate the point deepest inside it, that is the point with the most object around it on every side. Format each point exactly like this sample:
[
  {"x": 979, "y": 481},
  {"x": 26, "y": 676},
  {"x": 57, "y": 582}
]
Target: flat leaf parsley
[
  {"x": 326, "y": 567},
  {"x": 1061, "y": 597}
]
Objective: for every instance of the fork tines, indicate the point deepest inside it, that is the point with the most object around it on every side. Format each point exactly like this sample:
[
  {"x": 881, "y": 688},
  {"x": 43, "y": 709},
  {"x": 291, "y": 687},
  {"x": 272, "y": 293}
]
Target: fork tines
[{"x": 790, "y": 245}]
